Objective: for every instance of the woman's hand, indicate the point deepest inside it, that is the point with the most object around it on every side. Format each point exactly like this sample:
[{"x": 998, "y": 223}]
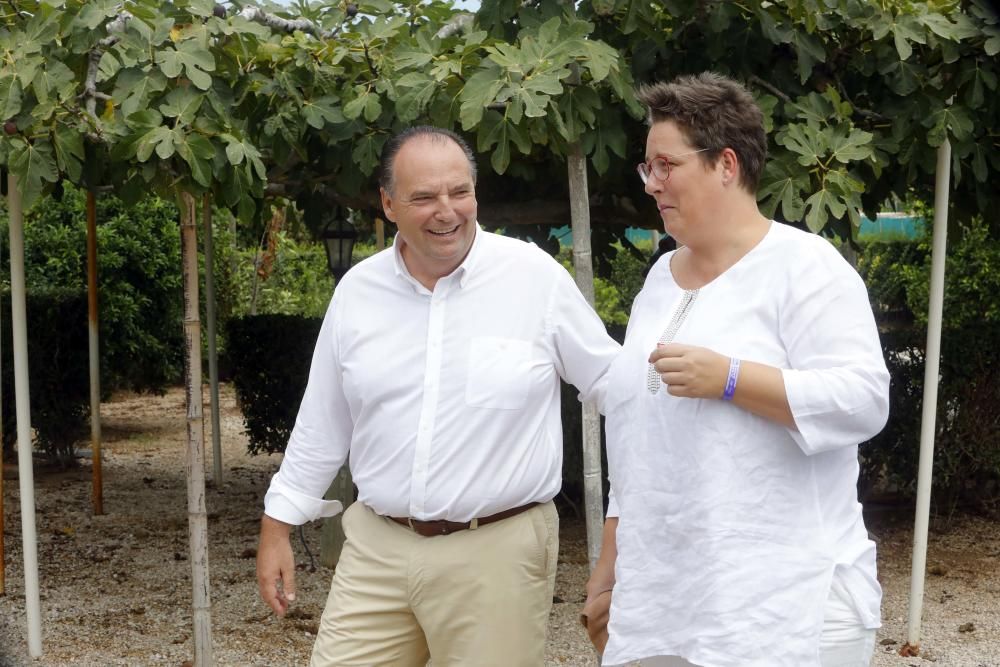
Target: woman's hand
[{"x": 690, "y": 371}]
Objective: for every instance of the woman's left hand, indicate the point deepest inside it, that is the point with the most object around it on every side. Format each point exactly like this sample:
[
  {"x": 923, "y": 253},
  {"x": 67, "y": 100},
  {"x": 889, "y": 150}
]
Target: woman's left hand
[{"x": 690, "y": 371}]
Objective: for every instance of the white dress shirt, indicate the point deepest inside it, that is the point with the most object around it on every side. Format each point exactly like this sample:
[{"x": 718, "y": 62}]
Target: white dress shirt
[
  {"x": 732, "y": 528},
  {"x": 447, "y": 400}
]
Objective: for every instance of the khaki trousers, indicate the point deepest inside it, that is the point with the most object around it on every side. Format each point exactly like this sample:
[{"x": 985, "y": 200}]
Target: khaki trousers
[{"x": 473, "y": 598}]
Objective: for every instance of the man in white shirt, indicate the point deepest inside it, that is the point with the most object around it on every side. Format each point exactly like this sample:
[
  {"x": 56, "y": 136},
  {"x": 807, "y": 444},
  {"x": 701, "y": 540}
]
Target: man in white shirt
[{"x": 437, "y": 371}]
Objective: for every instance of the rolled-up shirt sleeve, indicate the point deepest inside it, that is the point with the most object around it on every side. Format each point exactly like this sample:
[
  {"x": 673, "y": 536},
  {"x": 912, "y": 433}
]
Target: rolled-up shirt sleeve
[
  {"x": 584, "y": 350},
  {"x": 320, "y": 440},
  {"x": 838, "y": 385}
]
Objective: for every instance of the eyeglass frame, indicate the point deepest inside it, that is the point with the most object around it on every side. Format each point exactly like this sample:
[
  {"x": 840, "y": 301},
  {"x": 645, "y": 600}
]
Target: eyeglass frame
[{"x": 646, "y": 166}]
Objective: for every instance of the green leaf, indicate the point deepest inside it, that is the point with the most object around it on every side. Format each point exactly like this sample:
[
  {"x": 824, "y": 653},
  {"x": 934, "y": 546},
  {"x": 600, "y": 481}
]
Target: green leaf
[
  {"x": 419, "y": 89},
  {"x": 851, "y": 147},
  {"x": 373, "y": 108},
  {"x": 953, "y": 118},
  {"x": 69, "y": 151},
  {"x": 33, "y": 165},
  {"x": 197, "y": 152},
  {"x": 152, "y": 140},
  {"x": 10, "y": 96},
  {"x": 93, "y": 13},
  {"x": 479, "y": 92},
  {"x": 414, "y": 59},
  {"x": 939, "y": 25},
  {"x": 366, "y": 152},
  {"x": 108, "y": 67},
  {"x": 201, "y": 8},
  {"x": 134, "y": 87},
  {"x": 191, "y": 58},
  {"x": 821, "y": 206},
  {"x": 357, "y": 106},
  {"x": 321, "y": 111},
  {"x": 808, "y": 143},
  {"x": 783, "y": 184},
  {"x": 601, "y": 58},
  {"x": 147, "y": 119},
  {"x": 56, "y": 80},
  {"x": 182, "y": 104},
  {"x": 497, "y": 130}
]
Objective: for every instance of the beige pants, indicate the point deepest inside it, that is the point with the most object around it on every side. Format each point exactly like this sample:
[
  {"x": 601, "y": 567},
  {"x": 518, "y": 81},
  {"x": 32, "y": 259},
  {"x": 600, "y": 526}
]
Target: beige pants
[{"x": 476, "y": 597}]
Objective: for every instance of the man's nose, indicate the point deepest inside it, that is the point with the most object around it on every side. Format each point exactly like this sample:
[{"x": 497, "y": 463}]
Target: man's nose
[{"x": 445, "y": 207}]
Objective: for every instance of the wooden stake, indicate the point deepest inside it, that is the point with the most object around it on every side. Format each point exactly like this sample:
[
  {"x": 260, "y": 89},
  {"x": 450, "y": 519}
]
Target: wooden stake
[{"x": 195, "y": 461}]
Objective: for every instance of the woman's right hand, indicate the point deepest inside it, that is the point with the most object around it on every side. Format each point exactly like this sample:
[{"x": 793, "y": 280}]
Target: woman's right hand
[
  {"x": 597, "y": 607},
  {"x": 594, "y": 618}
]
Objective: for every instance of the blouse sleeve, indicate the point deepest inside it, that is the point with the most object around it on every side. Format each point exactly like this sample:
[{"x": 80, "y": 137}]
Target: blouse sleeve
[{"x": 837, "y": 384}]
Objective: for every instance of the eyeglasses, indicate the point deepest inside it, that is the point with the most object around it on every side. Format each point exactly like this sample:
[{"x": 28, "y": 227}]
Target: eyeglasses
[{"x": 660, "y": 167}]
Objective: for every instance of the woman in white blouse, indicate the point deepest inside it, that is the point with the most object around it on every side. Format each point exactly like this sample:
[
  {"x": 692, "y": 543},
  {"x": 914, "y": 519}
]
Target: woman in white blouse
[{"x": 750, "y": 372}]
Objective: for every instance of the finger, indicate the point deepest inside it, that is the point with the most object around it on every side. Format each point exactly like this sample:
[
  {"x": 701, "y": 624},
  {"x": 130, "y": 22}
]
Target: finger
[{"x": 288, "y": 583}]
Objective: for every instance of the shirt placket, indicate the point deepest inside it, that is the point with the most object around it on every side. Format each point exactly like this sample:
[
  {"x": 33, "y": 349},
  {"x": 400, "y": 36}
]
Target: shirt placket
[{"x": 428, "y": 407}]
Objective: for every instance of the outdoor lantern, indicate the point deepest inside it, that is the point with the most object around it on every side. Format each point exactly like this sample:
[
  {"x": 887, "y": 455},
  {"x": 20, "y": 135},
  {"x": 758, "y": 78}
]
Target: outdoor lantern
[{"x": 338, "y": 239}]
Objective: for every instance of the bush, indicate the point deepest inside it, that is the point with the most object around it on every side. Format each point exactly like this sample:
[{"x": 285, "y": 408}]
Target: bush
[
  {"x": 139, "y": 282},
  {"x": 967, "y": 438},
  {"x": 273, "y": 353},
  {"x": 58, "y": 373}
]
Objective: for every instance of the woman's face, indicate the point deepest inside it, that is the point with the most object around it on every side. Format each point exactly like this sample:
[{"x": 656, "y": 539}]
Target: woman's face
[{"x": 690, "y": 192}]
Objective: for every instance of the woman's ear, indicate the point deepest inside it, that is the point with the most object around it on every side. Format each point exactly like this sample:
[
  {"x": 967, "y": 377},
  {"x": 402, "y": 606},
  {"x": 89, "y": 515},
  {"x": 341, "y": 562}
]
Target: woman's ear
[{"x": 730, "y": 166}]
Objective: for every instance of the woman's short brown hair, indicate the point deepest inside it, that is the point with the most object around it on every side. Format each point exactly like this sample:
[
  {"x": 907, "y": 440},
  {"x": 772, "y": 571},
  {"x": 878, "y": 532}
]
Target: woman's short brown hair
[{"x": 713, "y": 112}]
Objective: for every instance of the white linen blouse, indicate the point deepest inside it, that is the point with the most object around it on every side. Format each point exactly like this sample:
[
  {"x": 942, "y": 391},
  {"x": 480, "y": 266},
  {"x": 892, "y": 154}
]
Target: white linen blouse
[{"x": 733, "y": 527}]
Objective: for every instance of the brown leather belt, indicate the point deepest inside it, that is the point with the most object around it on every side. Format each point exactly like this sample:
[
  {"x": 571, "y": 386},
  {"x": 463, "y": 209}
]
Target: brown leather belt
[{"x": 442, "y": 527}]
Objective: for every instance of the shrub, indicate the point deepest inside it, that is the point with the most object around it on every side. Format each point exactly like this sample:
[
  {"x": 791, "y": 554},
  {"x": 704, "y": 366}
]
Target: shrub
[
  {"x": 139, "y": 283},
  {"x": 273, "y": 353},
  {"x": 967, "y": 438},
  {"x": 58, "y": 373}
]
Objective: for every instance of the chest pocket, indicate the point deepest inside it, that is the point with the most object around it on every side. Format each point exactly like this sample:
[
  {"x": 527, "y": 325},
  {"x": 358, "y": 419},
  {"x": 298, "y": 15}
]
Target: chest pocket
[{"x": 499, "y": 374}]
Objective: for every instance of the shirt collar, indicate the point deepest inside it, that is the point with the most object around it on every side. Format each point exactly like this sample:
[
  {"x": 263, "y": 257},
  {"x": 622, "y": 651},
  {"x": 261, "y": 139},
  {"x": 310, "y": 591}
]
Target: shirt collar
[{"x": 461, "y": 274}]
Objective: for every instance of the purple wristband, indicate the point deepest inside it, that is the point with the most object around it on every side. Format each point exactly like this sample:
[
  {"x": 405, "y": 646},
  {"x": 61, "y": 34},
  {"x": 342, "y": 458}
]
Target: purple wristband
[{"x": 734, "y": 375}]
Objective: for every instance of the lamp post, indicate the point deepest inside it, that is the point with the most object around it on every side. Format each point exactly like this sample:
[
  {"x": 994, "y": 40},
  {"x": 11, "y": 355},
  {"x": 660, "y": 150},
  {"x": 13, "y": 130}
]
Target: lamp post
[{"x": 338, "y": 238}]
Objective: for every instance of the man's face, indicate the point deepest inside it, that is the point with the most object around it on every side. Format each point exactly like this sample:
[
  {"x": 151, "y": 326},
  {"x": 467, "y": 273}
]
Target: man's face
[{"x": 433, "y": 204}]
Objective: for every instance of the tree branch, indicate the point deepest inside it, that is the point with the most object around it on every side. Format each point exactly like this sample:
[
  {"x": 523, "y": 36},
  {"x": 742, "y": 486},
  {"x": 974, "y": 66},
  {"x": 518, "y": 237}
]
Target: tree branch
[
  {"x": 457, "y": 24},
  {"x": 772, "y": 89},
  {"x": 287, "y": 25}
]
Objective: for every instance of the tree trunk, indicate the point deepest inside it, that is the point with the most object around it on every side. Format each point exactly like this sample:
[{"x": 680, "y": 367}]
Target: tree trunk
[
  {"x": 582, "y": 263},
  {"x": 195, "y": 462},
  {"x": 213, "y": 362}
]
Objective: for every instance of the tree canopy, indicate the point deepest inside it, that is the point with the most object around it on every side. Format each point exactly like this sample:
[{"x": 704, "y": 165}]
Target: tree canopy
[{"x": 247, "y": 102}]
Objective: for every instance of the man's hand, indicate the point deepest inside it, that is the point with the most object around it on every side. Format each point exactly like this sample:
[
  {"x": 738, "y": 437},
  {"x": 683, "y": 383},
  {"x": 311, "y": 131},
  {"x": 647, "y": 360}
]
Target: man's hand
[
  {"x": 689, "y": 371},
  {"x": 275, "y": 565}
]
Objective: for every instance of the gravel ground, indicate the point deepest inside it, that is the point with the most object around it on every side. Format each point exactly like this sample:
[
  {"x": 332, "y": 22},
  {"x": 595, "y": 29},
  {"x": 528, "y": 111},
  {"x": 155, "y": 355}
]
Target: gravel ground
[{"x": 116, "y": 588}]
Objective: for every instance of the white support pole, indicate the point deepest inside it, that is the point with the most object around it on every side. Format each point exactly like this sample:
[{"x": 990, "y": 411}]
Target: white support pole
[
  {"x": 579, "y": 206},
  {"x": 29, "y": 538},
  {"x": 929, "y": 416},
  {"x": 94, "y": 359}
]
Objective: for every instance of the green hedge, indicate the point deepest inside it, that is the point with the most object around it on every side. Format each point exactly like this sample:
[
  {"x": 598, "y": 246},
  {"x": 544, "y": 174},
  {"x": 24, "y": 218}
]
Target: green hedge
[
  {"x": 967, "y": 439},
  {"x": 58, "y": 373},
  {"x": 270, "y": 359}
]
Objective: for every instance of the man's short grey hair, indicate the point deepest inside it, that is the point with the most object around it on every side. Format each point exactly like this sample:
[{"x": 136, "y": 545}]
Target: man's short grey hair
[{"x": 386, "y": 176}]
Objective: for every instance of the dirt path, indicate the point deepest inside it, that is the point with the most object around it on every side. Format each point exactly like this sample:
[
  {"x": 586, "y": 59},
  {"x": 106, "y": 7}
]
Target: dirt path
[{"x": 116, "y": 588}]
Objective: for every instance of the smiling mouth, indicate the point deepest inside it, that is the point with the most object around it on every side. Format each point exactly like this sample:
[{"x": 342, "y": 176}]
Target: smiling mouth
[{"x": 444, "y": 232}]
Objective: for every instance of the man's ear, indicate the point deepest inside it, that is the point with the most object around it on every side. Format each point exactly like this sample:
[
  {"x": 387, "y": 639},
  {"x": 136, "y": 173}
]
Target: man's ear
[{"x": 387, "y": 204}]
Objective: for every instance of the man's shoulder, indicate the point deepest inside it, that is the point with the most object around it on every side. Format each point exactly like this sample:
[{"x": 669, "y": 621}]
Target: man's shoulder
[
  {"x": 517, "y": 249},
  {"x": 375, "y": 267}
]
